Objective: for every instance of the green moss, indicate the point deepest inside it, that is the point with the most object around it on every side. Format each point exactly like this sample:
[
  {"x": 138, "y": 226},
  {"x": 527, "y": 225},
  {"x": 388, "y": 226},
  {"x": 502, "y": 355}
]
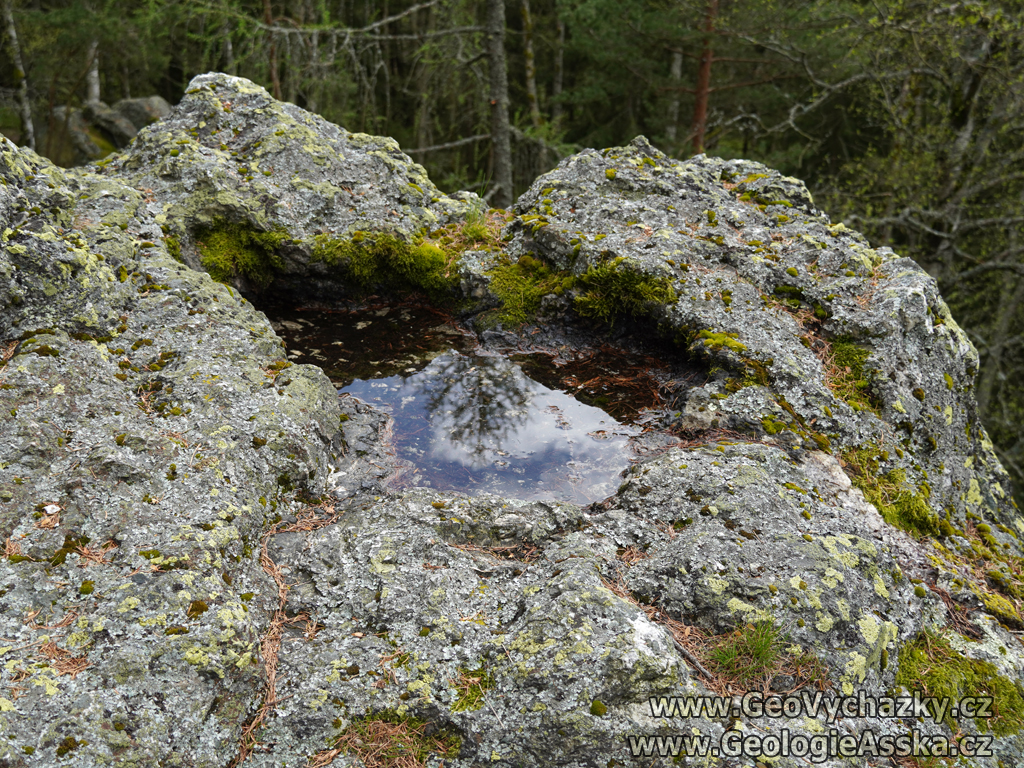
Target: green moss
[
  {"x": 615, "y": 288},
  {"x": 598, "y": 708},
  {"x": 173, "y": 247},
  {"x": 229, "y": 249},
  {"x": 472, "y": 684},
  {"x": 823, "y": 443},
  {"x": 792, "y": 271},
  {"x": 86, "y": 587},
  {"x": 609, "y": 174},
  {"x": 932, "y": 664},
  {"x": 898, "y": 505},
  {"x": 850, "y": 381},
  {"x": 521, "y": 285},
  {"x": 1002, "y": 609},
  {"x": 380, "y": 259},
  {"x": 716, "y": 341},
  {"x": 70, "y": 744}
]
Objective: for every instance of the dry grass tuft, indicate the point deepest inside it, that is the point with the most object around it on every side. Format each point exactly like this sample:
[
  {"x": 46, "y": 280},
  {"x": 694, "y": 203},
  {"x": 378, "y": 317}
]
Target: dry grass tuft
[
  {"x": 12, "y": 548},
  {"x": 630, "y": 556},
  {"x": 383, "y": 741},
  {"x": 62, "y": 661},
  {"x": 92, "y": 556}
]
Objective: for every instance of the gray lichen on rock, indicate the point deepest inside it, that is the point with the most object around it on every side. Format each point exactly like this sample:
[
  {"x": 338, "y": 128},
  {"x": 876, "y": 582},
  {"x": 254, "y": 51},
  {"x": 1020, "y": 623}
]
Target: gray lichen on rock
[{"x": 187, "y": 516}]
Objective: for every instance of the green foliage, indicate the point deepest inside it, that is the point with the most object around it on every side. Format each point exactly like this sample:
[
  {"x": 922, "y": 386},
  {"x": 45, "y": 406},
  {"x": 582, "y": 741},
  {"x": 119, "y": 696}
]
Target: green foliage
[
  {"x": 381, "y": 259},
  {"x": 228, "y": 249},
  {"x": 931, "y": 664},
  {"x": 616, "y": 289}
]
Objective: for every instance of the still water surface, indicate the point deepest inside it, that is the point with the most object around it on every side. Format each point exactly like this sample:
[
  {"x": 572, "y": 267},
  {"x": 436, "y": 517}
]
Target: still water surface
[{"x": 474, "y": 422}]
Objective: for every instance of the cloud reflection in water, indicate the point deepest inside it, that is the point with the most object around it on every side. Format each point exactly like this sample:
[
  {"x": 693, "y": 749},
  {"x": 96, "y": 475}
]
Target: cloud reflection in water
[{"x": 476, "y": 423}]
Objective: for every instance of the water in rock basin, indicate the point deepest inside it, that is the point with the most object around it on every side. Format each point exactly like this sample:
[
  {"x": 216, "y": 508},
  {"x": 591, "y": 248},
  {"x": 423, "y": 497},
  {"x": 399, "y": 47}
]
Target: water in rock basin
[{"x": 476, "y": 423}]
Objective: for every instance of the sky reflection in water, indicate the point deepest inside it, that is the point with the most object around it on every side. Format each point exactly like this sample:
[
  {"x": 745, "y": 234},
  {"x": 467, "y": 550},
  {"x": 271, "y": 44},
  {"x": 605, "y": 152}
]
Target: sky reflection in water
[{"x": 476, "y": 423}]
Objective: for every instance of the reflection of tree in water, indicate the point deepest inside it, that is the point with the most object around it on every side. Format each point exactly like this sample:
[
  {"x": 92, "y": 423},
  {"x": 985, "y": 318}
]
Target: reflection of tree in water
[{"x": 479, "y": 400}]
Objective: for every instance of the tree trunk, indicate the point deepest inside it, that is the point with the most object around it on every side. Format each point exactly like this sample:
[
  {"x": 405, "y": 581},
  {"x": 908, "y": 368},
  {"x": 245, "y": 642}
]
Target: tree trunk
[
  {"x": 92, "y": 77},
  {"x": 531, "y": 71},
  {"x": 20, "y": 79},
  {"x": 556, "y": 86},
  {"x": 275, "y": 80},
  {"x": 228, "y": 49},
  {"x": 676, "y": 76},
  {"x": 700, "y": 106},
  {"x": 424, "y": 137},
  {"x": 501, "y": 134}
]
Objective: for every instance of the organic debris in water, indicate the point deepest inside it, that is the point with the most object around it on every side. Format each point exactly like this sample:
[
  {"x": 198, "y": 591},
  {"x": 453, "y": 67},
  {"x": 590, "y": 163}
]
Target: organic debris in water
[{"x": 367, "y": 342}]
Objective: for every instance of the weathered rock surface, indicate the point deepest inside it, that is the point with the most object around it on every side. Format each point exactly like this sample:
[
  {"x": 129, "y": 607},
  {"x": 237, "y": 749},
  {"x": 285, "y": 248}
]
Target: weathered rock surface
[{"x": 202, "y": 567}]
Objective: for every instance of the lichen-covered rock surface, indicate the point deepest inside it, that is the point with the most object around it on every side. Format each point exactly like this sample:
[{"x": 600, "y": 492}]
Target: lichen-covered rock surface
[{"x": 204, "y": 565}]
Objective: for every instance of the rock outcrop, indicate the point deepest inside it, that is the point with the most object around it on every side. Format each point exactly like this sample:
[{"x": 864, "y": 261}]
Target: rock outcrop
[
  {"x": 202, "y": 569},
  {"x": 74, "y": 136}
]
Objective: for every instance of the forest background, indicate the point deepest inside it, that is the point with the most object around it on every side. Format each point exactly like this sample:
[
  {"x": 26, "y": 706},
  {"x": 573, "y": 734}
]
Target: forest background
[{"x": 905, "y": 118}]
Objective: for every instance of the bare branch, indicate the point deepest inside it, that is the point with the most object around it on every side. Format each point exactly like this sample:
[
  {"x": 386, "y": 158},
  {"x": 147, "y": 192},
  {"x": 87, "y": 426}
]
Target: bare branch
[{"x": 450, "y": 144}]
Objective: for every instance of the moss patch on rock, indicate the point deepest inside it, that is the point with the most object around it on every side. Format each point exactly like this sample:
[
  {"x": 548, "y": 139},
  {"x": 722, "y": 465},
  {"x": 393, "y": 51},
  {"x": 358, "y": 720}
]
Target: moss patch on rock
[
  {"x": 849, "y": 378},
  {"x": 381, "y": 259},
  {"x": 614, "y": 289},
  {"x": 229, "y": 249},
  {"x": 898, "y": 505},
  {"x": 520, "y": 285},
  {"x": 931, "y": 663}
]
